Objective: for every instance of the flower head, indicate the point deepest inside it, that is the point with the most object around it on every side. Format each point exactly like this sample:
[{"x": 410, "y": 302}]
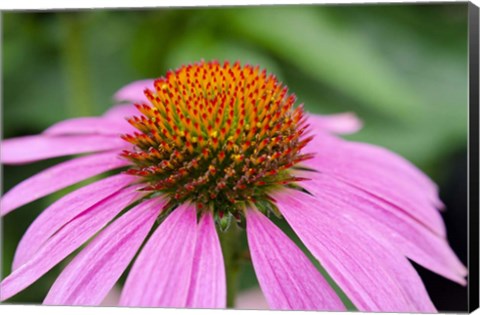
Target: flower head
[
  {"x": 222, "y": 137},
  {"x": 203, "y": 146}
]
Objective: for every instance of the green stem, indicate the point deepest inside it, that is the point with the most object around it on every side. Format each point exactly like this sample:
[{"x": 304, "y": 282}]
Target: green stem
[
  {"x": 76, "y": 65},
  {"x": 231, "y": 254},
  {"x": 76, "y": 69}
]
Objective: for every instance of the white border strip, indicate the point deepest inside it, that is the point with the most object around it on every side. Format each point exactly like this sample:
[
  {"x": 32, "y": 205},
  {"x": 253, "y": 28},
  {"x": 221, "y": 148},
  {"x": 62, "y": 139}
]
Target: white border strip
[{"x": 90, "y": 4}]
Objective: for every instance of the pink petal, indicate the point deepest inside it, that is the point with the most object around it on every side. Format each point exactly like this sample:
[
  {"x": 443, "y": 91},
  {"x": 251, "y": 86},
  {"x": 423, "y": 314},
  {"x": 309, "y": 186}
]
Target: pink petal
[
  {"x": 344, "y": 123},
  {"x": 161, "y": 274},
  {"x": 286, "y": 276},
  {"x": 381, "y": 173},
  {"x": 90, "y": 126},
  {"x": 58, "y": 177},
  {"x": 374, "y": 277},
  {"x": 65, "y": 241},
  {"x": 120, "y": 112},
  {"x": 133, "y": 92},
  {"x": 93, "y": 273},
  {"x": 207, "y": 288},
  {"x": 389, "y": 224},
  {"x": 34, "y": 148},
  {"x": 62, "y": 211}
]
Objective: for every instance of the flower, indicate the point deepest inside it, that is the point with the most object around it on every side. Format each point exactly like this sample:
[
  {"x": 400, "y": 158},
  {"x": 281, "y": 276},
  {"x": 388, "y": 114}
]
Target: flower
[{"x": 212, "y": 144}]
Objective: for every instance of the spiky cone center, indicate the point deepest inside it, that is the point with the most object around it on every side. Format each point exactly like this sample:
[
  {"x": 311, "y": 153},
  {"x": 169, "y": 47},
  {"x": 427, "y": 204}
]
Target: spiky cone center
[{"x": 220, "y": 136}]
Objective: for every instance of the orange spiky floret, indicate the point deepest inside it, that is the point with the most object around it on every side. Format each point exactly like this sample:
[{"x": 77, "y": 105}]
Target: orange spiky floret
[{"x": 217, "y": 135}]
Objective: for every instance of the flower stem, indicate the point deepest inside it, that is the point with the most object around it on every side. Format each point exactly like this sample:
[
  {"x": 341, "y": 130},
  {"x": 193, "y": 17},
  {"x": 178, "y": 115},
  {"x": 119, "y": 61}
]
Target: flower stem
[
  {"x": 76, "y": 65},
  {"x": 231, "y": 253}
]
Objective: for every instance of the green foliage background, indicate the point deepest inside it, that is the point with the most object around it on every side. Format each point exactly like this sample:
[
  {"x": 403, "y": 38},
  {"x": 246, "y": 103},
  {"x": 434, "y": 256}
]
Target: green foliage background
[{"x": 401, "y": 68}]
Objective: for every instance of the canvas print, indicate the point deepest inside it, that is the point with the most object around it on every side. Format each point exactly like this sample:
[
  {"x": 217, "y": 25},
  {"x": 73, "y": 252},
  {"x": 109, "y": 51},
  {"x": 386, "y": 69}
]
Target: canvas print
[{"x": 299, "y": 157}]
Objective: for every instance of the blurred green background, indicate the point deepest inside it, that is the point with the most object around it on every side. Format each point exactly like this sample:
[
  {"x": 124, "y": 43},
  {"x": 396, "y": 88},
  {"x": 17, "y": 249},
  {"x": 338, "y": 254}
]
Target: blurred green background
[{"x": 401, "y": 68}]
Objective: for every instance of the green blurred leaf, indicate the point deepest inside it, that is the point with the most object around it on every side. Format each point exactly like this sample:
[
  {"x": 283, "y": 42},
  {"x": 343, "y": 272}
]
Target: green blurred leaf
[{"x": 307, "y": 38}]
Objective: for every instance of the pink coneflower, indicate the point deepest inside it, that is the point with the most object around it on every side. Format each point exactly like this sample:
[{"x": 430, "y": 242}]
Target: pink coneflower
[{"x": 211, "y": 146}]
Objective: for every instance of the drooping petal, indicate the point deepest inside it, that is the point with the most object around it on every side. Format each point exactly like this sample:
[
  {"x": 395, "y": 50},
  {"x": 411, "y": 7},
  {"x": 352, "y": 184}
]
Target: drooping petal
[
  {"x": 384, "y": 159},
  {"x": 374, "y": 277},
  {"x": 93, "y": 273},
  {"x": 34, "y": 148},
  {"x": 208, "y": 286},
  {"x": 381, "y": 173},
  {"x": 120, "y": 112},
  {"x": 251, "y": 299},
  {"x": 112, "y": 297},
  {"x": 161, "y": 274},
  {"x": 90, "y": 126},
  {"x": 286, "y": 276},
  {"x": 62, "y": 211},
  {"x": 344, "y": 123},
  {"x": 133, "y": 92},
  {"x": 58, "y": 177},
  {"x": 65, "y": 241},
  {"x": 388, "y": 223}
]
